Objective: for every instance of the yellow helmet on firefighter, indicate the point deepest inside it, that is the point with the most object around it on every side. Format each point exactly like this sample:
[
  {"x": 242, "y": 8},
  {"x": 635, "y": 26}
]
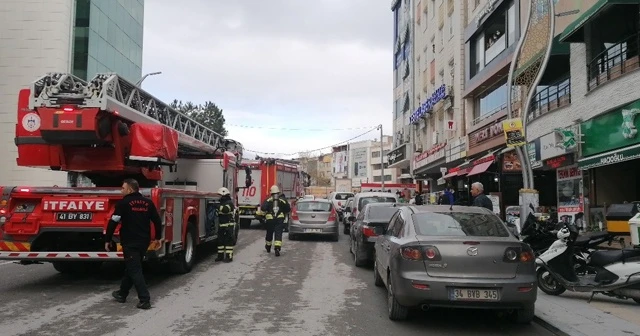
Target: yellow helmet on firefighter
[
  {"x": 223, "y": 191},
  {"x": 274, "y": 189}
]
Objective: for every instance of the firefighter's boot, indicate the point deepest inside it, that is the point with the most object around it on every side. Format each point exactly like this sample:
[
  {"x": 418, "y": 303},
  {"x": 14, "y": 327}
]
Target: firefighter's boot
[
  {"x": 277, "y": 251},
  {"x": 220, "y": 257},
  {"x": 267, "y": 247}
]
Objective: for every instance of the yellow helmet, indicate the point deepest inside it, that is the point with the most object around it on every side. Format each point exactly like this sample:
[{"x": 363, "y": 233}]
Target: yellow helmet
[
  {"x": 274, "y": 190},
  {"x": 223, "y": 191}
]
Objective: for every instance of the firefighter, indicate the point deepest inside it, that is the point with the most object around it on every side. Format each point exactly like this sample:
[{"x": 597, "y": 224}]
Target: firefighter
[
  {"x": 226, "y": 224},
  {"x": 275, "y": 209}
]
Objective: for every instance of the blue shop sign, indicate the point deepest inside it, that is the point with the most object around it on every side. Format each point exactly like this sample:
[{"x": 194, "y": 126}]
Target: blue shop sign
[{"x": 426, "y": 107}]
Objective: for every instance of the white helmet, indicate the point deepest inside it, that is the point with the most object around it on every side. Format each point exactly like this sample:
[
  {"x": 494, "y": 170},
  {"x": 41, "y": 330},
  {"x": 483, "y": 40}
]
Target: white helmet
[
  {"x": 274, "y": 190},
  {"x": 223, "y": 191}
]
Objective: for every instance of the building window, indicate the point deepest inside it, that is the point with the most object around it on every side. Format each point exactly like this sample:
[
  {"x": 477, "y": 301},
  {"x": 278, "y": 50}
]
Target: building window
[
  {"x": 479, "y": 54},
  {"x": 511, "y": 23},
  {"x": 386, "y": 178},
  {"x": 375, "y": 154},
  {"x": 491, "y": 102},
  {"x": 432, "y": 70},
  {"x": 450, "y": 24},
  {"x": 495, "y": 37}
]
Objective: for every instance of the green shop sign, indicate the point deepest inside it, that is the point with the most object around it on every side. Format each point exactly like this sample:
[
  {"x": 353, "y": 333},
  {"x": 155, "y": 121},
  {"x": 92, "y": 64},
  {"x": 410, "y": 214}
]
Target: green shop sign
[
  {"x": 620, "y": 155},
  {"x": 613, "y": 130}
]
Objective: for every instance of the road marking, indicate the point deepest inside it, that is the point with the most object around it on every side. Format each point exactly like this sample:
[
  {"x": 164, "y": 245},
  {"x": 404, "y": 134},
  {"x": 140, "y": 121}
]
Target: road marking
[{"x": 6, "y": 263}]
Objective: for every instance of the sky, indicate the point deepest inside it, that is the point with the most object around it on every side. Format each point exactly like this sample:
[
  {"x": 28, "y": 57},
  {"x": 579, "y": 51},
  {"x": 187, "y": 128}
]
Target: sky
[{"x": 315, "y": 66}]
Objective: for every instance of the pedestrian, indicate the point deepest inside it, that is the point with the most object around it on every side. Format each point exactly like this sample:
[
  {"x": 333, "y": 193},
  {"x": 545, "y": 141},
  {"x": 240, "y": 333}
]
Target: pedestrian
[
  {"x": 446, "y": 198},
  {"x": 226, "y": 224},
  {"x": 275, "y": 209},
  {"x": 134, "y": 213},
  {"x": 480, "y": 199},
  {"x": 418, "y": 198}
]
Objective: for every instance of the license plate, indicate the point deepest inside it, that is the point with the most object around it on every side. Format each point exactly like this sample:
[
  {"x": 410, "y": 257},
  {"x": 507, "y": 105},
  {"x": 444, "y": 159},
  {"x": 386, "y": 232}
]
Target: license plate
[
  {"x": 471, "y": 294},
  {"x": 74, "y": 216},
  {"x": 312, "y": 230}
]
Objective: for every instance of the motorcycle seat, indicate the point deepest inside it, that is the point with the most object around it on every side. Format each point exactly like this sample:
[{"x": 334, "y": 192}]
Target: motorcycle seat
[
  {"x": 587, "y": 237},
  {"x": 604, "y": 258}
]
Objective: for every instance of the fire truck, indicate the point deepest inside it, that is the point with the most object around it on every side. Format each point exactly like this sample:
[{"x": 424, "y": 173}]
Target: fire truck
[
  {"x": 109, "y": 129},
  {"x": 259, "y": 176}
]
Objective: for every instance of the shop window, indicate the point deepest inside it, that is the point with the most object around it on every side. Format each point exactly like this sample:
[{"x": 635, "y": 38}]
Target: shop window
[
  {"x": 569, "y": 193},
  {"x": 478, "y": 48},
  {"x": 495, "y": 40},
  {"x": 491, "y": 102}
]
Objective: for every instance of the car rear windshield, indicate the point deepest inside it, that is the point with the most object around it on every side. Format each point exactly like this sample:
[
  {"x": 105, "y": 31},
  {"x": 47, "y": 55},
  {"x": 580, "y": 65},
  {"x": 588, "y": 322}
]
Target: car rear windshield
[
  {"x": 459, "y": 224},
  {"x": 314, "y": 206},
  {"x": 343, "y": 196},
  {"x": 380, "y": 214},
  {"x": 374, "y": 199}
]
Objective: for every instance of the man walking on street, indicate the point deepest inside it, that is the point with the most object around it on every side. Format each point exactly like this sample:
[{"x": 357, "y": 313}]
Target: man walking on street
[
  {"x": 275, "y": 209},
  {"x": 480, "y": 200},
  {"x": 226, "y": 224},
  {"x": 133, "y": 213}
]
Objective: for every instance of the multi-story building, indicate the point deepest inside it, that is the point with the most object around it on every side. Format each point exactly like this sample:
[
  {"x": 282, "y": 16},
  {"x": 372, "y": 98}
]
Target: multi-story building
[
  {"x": 78, "y": 36},
  {"x": 325, "y": 170},
  {"x": 365, "y": 162}
]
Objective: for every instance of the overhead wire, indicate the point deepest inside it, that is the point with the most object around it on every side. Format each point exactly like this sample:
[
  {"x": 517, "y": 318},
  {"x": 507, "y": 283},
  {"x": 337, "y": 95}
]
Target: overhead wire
[
  {"x": 317, "y": 149},
  {"x": 298, "y": 129}
]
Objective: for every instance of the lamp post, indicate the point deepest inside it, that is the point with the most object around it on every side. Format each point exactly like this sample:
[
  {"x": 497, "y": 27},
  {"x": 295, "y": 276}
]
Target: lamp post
[
  {"x": 528, "y": 194},
  {"x": 381, "y": 158},
  {"x": 147, "y": 75}
]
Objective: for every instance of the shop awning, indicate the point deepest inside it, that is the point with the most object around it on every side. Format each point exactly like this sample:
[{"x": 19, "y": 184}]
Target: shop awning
[
  {"x": 481, "y": 168},
  {"x": 450, "y": 175},
  {"x": 574, "y": 31},
  {"x": 611, "y": 157}
]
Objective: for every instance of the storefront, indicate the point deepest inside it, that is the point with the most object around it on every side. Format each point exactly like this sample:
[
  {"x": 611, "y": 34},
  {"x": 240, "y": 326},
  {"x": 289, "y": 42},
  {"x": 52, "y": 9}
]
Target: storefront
[
  {"x": 569, "y": 193},
  {"x": 399, "y": 158},
  {"x": 610, "y": 151},
  {"x": 484, "y": 145},
  {"x": 426, "y": 165}
]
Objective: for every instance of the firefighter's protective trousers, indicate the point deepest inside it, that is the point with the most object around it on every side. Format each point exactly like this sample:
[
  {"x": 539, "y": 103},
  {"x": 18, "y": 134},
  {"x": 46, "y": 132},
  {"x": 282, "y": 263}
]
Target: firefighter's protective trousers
[
  {"x": 225, "y": 230},
  {"x": 274, "y": 232}
]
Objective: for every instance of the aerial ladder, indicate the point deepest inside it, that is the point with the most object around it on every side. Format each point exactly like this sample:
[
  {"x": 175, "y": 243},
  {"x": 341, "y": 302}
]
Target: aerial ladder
[{"x": 107, "y": 129}]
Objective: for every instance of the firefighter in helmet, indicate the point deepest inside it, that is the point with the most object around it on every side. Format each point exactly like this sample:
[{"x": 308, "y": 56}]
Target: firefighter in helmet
[
  {"x": 226, "y": 225},
  {"x": 275, "y": 209}
]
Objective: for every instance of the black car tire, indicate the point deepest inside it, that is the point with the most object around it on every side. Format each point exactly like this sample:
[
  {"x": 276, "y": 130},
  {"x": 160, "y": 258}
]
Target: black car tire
[
  {"x": 357, "y": 257},
  {"x": 637, "y": 300},
  {"x": 545, "y": 284},
  {"x": 377, "y": 279},
  {"x": 335, "y": 237},
  {"x": 292, "y": 236},
  {"x": 396, "y": 311},
  {"x": 525, "y": 315},
  {"x": 346, "y": 229}
]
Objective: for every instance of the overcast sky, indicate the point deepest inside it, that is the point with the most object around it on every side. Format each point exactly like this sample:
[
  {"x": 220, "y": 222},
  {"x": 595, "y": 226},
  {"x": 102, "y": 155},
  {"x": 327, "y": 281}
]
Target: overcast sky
[{"x": 320, "y": 64}]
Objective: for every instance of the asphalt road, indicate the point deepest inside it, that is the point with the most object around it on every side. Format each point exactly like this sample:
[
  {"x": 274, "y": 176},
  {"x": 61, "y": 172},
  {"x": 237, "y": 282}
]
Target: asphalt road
[{"x": 312, "y": 289}]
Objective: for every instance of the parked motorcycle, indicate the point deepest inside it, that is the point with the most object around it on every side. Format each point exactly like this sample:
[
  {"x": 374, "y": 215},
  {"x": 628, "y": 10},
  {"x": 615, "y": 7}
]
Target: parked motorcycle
[{"x": 616, "y": 272}]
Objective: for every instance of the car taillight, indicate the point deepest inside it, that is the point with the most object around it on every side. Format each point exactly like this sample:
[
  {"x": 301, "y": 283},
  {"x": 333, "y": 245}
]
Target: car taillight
[
  {"x": 512, "y": 254},
  {"x": 428, "y": 253},
  {"x": 294, "y": 214},
  {"x": 332, "y": 215},
  {"x": 368, "y": 231}
]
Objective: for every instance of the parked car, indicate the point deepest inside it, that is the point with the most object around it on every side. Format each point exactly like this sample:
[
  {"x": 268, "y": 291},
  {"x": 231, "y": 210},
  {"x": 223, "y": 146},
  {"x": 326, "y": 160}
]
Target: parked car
[
  {"x": 437, "y": 256},
  {"x": 346, "y": 214},
  {"x": 362, "y": 199},
  {"x": 338, "y": 199},
  {"x": 372, "y": 221},
  {"x": 314, "y": 217}
]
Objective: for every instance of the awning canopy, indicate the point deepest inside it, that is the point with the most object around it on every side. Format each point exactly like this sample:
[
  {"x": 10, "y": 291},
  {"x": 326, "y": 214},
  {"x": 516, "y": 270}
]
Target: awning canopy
[
  {"x": 575, "y": 30},
  {"x": 481, "y": 168}
]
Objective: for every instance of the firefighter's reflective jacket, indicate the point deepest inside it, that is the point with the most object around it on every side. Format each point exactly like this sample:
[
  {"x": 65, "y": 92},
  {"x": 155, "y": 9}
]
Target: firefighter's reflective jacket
[
  {"x": 226, "y": 213},
  {"x": 275, "y": 208}
]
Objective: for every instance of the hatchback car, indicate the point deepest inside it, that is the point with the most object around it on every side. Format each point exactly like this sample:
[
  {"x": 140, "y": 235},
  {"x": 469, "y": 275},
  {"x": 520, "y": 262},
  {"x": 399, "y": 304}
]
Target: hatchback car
[
  {"x": 465, "y": 257},
  {"x": 314, "y": 217},
  {"x": 372, "y": 221},
  {"x": 362, "y": 199}
]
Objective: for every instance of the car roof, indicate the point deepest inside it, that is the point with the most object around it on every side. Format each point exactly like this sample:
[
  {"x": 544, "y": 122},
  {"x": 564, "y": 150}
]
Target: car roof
[
  {"x": 317, "y": 200},
  {"x": 389, "y": 204},
  {"x": 376, "y": 193},
  {"x": 448, "y": 208}
]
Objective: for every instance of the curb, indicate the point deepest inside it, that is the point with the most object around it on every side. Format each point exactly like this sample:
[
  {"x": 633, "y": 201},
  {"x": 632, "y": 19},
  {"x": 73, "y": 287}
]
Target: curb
[{"x": 548, "y": 326}]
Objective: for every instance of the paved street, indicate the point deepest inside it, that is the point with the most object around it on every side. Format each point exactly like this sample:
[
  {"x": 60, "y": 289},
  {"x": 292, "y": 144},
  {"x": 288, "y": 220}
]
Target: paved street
[{"x": 313, "y": 289}]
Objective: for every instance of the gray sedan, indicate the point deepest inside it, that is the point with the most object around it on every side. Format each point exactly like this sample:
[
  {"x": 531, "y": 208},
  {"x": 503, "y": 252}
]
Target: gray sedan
[
  {"x": 314, "y": 217},
  {"x": 459, "y": 257}
]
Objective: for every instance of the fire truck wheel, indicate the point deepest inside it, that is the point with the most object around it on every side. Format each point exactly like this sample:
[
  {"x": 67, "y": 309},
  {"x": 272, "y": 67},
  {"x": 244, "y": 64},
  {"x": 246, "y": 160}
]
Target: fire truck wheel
[
  {"x": 245, "y": 223},
  {"x": 183, "y": 261},
  {"x": 236, "y": 231},
  {"x": 87, "y": 267}
]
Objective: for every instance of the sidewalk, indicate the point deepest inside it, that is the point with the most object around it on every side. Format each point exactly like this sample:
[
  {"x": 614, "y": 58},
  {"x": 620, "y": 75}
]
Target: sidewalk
[{"x": 570, "y": 314}]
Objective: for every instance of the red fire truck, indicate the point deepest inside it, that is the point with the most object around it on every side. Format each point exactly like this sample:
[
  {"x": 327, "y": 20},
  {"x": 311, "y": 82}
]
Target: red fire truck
[
  {"x": 260, "y": 175},
  {"x": 108, "y": 129}
]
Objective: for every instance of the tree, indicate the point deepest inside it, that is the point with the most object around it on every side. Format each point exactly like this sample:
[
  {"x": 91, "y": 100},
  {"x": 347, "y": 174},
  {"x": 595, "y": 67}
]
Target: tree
[{"x": 208, "y": 114}]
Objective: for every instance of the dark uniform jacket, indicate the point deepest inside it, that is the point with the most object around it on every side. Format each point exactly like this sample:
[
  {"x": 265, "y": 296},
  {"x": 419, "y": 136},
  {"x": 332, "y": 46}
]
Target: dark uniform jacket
[
  {"x": 134, "y": 213},
  {"x": 483, "y": 201},
  {"x": 269, "y": 204},
  {"x": 226, "y": 212}
]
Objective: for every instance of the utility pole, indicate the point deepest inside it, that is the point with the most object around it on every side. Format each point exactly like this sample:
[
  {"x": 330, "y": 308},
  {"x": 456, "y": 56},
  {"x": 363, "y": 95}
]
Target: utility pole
[
  {"x": 381, "y": 158},
  {"x": 145, "y": 77}
]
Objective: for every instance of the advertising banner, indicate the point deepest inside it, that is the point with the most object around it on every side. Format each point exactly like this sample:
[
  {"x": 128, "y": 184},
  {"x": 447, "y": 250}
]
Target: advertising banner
[
  {"x": 569, "y": 193},
  {"x": 340, "y": 162},
  {"x": 360, "y": 162}
]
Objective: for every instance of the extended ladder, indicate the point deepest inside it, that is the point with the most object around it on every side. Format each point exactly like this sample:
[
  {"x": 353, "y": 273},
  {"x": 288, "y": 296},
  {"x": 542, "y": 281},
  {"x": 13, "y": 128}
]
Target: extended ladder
[{"x": 112, "y": 93}]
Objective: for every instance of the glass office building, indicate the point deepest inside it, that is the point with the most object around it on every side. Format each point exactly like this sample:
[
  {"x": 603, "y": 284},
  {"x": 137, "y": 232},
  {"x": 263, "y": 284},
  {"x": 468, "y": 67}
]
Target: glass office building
[{"x": 108, "y": 38}]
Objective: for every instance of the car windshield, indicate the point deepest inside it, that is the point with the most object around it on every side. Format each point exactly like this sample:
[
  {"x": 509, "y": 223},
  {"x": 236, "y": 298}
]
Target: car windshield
[
  {"x": 343, "y": 196},
  {"x": 374, "y": 199},
  {"x": 314, "y": 206},
  {"x": 380, "y": 214},
  {"x": 459, "y": 224}
]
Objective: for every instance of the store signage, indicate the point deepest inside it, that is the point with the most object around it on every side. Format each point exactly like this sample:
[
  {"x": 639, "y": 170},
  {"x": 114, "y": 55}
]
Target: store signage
[
  {"x": 488, "y": 133},
  {"x": 514, "y": 132},
  {"x": 569, "y": 173},
  {"x": 630, "y": 153},
  {"x": 488, "y": 9},
  {"x": 397, "y": 154},
  {"x": 619, "y": 127},
  {"x": 457, "y": 149},
  {"x": 534, "y": 154},
  {"x": 434, "y": 153},
  {"x": 427, "y": 106},
  {"x": 484, "y": 159},
  {"x": 511, "y": 162},
  {"x": 559, "y": 162}
]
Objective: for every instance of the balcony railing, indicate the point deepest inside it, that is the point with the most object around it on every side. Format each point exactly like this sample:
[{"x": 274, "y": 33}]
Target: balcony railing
[
  {"x": 550, "y": 98},
  {"x": 614, "y": 62}
]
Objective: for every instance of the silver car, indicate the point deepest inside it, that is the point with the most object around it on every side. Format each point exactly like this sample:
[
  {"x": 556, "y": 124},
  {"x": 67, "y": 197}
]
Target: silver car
[
  {"x": 314, "y": 217},
  {"x": 464, "y": 257}
]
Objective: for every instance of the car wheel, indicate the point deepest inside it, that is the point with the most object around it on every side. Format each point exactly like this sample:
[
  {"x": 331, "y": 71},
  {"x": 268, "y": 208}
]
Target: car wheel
[
  {"x": 292, "y": 236},
  {"x": 525, "y": 315},
  {"x": 637, "y": 300},
  {"x": 346, "y": 229},
  {"x": 377, "y": 279},
  {"x": 395, "y": 310},
  {"x": 548, "y": 284},
  {"x": 357, "y": 258},
  {"x": 335, "y": 237},
  {"x": 350, "y": 245}
]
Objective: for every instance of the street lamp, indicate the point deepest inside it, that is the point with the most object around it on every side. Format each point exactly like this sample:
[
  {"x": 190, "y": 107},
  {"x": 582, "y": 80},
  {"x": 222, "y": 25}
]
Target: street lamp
[{"x": 145, "y": 77}]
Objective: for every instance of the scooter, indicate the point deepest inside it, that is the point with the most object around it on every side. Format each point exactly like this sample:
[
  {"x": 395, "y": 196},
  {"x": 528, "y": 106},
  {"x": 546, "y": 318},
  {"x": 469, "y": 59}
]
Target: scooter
[{"x": 616, "y": 273}]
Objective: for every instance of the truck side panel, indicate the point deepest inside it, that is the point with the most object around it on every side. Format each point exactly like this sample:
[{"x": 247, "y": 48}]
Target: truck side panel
[
  {"x": 286, "y": 183},
  {"x": 253, "y": 194},
  {"x": 176, "y": 243}
]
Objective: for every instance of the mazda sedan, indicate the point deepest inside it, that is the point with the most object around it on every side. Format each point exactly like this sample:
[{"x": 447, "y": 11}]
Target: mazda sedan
[
  {"x": 314, "y": 217},
  {"x": 456, "y": 257}
]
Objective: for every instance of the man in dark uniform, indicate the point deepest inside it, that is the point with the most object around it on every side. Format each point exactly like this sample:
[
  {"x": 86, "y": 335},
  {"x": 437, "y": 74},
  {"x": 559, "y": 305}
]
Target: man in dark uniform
[
  {"x": 275, "y": 209},
  {"x": 134, "y": 213},
  {"x": 226, "y": 224}
]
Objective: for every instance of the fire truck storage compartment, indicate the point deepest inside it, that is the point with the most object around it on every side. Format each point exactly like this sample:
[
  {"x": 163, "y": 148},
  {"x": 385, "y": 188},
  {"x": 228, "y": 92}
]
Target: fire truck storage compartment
[
  {"x": 287, "y": 183},
  {"x": 202, "y": 175},
  {"x": 154, "y": 141}
]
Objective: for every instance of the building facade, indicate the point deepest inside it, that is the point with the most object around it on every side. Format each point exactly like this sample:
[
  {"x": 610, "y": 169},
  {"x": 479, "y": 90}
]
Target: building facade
[
  {"x": 365, "y": 162},
  {"x": 79, "y": 36}
]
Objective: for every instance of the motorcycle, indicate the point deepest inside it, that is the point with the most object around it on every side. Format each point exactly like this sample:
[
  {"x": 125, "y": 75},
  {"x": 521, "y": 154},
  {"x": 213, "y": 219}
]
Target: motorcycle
[{"x": 616, "y": 272}]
